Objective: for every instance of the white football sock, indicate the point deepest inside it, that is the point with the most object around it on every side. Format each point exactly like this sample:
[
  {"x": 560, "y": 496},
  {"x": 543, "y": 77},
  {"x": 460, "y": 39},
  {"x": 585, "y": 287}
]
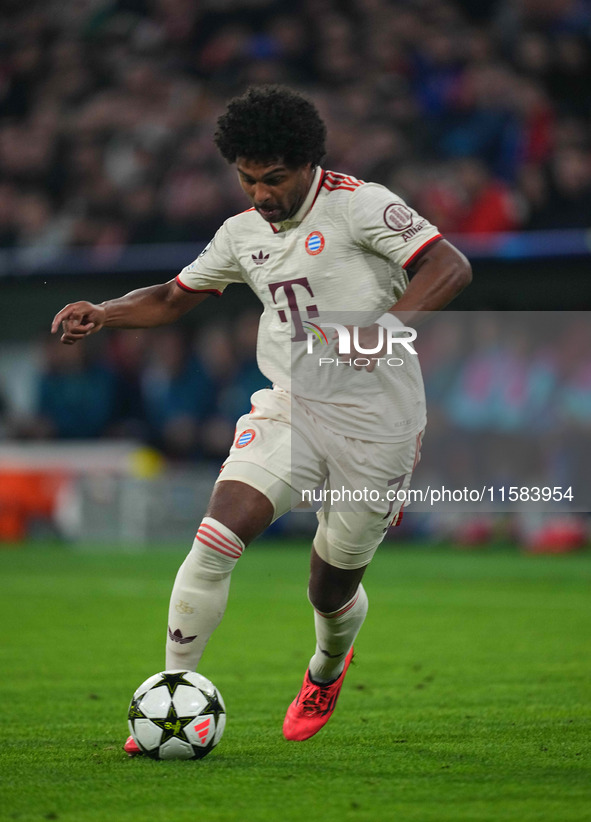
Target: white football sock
[
  {"x": 200, "y": 593},
  {"x": 335, "y": 634}
]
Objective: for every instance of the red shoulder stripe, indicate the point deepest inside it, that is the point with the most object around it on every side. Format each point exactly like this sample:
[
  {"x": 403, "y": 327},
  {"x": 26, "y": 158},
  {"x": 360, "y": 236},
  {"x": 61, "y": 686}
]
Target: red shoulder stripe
[
  {"x": 340, "y": 187},
  {"x": 334, "y": 177},
  {"x": 335, "y": 181}
]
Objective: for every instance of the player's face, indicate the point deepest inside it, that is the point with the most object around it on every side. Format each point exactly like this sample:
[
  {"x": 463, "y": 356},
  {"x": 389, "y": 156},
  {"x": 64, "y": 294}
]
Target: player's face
[{"x": 275, "y": 190}]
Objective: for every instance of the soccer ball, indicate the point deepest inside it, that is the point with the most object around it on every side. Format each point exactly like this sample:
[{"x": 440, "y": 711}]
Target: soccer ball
[{"x": 177, "y": 715}]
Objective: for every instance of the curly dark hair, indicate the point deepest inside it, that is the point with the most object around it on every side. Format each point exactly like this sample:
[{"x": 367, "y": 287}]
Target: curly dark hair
[{"x": 269, "y": 123}]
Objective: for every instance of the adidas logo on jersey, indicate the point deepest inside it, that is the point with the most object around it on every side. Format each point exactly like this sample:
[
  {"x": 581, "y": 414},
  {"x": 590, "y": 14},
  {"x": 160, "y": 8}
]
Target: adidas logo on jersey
[{"x": 260, "y": 259}]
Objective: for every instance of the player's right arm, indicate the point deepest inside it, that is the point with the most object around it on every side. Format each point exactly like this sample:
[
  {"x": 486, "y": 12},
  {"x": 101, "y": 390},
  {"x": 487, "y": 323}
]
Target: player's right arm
[{"x": 143, "y": 308}]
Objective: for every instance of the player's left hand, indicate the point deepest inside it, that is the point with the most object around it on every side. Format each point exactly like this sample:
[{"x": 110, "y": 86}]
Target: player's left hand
[{"x": 78, "y": 320}]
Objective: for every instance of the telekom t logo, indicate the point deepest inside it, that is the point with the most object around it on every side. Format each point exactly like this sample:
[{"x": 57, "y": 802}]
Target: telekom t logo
[{"x": 311, "y": 311}]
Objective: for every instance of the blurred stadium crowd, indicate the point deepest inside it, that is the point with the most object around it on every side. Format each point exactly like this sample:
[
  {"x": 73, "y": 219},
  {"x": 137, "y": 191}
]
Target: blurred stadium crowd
[
  {"x": 476, "y": 111},
  {"x": 175, "y": 390},
  {"x": 508, "y": 396},
  {"x": 504, "y": 379}
]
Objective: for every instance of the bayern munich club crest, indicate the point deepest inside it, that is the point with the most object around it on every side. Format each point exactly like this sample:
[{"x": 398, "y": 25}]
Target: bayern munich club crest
[
  {"x": 314, "y": 243},
  {"x": 245, "y": 438},
  {"x": 398, "y": 217}
]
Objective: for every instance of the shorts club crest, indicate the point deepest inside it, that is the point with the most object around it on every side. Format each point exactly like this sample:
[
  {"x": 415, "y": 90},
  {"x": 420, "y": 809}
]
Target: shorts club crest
[{"x": 245, "y": 438}]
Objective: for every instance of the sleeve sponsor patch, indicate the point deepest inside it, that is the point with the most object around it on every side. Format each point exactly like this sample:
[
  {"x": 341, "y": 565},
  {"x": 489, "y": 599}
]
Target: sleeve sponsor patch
[{"x": 398, "y": 217}]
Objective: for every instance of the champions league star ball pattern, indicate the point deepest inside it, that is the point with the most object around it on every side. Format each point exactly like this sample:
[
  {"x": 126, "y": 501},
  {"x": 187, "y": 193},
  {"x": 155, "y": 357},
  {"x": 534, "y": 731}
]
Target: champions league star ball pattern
[{"x": 177, "y": 715}]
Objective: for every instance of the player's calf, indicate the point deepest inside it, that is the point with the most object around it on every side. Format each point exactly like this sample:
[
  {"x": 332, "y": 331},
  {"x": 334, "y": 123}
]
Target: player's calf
[
  {"x": 335, "y": 634},
  {"x": 200, "y": 593}
]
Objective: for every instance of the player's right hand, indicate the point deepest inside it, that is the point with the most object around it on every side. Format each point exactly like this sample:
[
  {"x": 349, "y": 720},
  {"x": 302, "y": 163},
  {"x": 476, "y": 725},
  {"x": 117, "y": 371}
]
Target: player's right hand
[{"x": 78, "y": 320}]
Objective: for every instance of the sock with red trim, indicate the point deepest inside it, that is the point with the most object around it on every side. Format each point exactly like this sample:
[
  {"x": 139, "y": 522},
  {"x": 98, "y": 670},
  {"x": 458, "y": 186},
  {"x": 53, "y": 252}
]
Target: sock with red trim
[
  {"x": 200, "y": 593},
  {"x": 335, "y": 634}
]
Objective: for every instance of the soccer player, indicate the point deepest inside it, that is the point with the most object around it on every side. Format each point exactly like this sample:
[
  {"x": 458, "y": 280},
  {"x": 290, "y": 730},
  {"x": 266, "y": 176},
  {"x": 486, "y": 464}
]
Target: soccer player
[{"x": 314, "y": 242}]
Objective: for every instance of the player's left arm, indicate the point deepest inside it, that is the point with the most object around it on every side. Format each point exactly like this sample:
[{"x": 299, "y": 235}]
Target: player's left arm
[
  {"x": 383, "y": 224},
  {"x": 437, "y": 277}
]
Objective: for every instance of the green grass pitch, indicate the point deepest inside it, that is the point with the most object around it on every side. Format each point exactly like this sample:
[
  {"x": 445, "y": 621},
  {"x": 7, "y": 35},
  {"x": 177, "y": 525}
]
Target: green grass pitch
[{"x": 469, "y": 698}]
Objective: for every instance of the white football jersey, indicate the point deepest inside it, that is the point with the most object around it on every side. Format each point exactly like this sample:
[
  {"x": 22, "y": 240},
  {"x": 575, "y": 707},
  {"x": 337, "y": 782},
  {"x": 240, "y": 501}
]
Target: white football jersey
[{"x": 342, "y": 257}]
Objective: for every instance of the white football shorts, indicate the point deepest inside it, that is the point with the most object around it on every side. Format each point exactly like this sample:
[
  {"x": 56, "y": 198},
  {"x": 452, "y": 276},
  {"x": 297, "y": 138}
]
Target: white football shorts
[{"x": 284, "y": 452}]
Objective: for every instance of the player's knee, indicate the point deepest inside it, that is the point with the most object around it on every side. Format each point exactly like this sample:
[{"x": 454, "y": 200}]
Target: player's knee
[
  {"x": 348, "y": 540},
  {"x": 247, "y": 510},
  {"x": 215, "y": 551}
]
